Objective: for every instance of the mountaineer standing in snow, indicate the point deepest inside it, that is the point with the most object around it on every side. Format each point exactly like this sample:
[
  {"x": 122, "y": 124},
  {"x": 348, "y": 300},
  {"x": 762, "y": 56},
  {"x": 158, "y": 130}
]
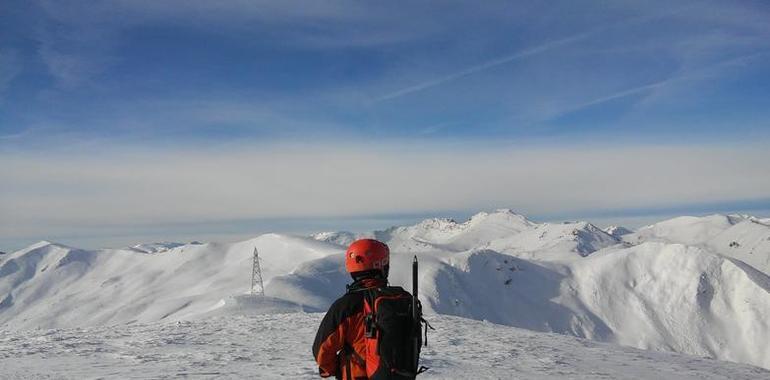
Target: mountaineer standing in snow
[{"x": 373, "y": 331}]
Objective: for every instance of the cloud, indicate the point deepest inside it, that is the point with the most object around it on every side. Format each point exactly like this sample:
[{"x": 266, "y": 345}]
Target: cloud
[
  {"x": 78, "y": 41},
  {"x": 69, "y": 69},
  {"x": 308, "y": 24},
  {"x": 10, "y": 68},
  {"x": 48, "y": 193}
]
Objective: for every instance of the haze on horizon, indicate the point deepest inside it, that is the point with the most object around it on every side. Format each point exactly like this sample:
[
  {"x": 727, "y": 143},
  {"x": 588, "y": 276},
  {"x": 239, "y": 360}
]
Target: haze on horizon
[{"x": 127, "y": 121}]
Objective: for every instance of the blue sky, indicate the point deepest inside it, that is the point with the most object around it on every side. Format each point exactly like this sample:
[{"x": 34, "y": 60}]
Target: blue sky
[{"x": 123, "y": 117}]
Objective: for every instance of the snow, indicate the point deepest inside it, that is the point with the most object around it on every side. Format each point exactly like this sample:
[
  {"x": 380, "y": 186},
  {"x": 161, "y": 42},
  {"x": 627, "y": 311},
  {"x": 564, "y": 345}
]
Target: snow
[
  {"x": 555, "y": 241},
  {"x": 448, "y": 235},
  {"x": 156, "y": 247},
  {"x": 342, "y": 238},
  {"x": 50, "y": 285},
  {"x": 656, "y": 296},
  {"x": 678, "y": 298},
  {"x": 278, "y": 346},
  {"x": 686, "y": 229},
  {"x": 741, "y": 237},
  {"x": 692, "y": 285},
  {"x": 617, "y": 231}
]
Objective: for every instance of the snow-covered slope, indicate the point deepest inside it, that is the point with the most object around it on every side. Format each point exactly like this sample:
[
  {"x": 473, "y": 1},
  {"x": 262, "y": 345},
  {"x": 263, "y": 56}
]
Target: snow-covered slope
[
  {"x": 656, "y": 296},
  {"x": 278, "y": 346},
  {"x": 679, "y": 298},
  {"x": 50, "y": 285},
  {"x": 748, "y": 241},
  {"x": 686, "y": 229},
  {"x": 737, "y": 236},
  {"x": 674, "y": 286}
]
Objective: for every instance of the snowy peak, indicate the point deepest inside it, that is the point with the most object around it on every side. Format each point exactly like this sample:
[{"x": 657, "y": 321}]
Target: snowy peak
[
  {"x": 41, "y": 243},
  {"x": 157, "y": 247},
  {"x": 499, "y": 216},
  {"x": 32, "y": 247},
  {"x": 38, "y": 248},
  {"x": 686, "y": 229},
  {"x": 617, "y": 231},
  {"x": 555, "y": 241},
  {"x": 448, "y": 234},
  {"x": 342, "y": 238},
  {"x": 41, "y": 266},
  {"x": 590, "y": 238},
  {"x": 503, "y": 230}
]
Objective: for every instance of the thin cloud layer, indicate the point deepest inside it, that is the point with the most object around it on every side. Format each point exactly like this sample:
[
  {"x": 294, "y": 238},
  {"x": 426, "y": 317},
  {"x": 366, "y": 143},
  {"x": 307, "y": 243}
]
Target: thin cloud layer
[{"x": 49, "y": 193}]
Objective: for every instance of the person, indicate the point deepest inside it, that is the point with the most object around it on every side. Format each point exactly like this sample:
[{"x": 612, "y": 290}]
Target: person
[{"x": 340, "y": 346}]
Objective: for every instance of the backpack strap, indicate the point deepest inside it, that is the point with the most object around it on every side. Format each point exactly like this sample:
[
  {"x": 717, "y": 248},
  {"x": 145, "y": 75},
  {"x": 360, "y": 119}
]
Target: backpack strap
[
  {"x": 348, "y": 368},
  {"x": 427, "y": 325},
  {"x": 370, "y": 322},
  {"x": 348, "y": 353}
]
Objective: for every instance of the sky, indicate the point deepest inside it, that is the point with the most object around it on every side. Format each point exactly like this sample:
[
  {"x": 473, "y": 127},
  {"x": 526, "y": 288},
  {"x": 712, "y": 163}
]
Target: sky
[{"x": 128, "y": 121}]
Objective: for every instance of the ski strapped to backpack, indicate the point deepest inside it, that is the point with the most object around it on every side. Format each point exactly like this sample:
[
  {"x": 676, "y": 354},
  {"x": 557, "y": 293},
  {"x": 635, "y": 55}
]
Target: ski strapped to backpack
[{"x": 393, "y": 331}]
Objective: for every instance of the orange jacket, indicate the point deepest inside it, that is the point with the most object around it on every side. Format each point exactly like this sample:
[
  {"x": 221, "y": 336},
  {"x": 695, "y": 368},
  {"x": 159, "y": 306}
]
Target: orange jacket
[{"x": 339, "y": 347}]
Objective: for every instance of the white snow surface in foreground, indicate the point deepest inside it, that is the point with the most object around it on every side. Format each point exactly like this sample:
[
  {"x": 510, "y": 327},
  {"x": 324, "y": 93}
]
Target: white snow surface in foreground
[
  {"x": 692, "y": 285},
  {"x": 277, "y": 346}
]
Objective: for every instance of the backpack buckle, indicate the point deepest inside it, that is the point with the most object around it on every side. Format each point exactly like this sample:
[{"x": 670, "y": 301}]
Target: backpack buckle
[{"x": 369, "y": 326}]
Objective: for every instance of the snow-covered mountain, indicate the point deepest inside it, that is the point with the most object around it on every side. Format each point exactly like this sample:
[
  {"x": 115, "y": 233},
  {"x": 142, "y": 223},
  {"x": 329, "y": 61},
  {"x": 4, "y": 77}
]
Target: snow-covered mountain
[
  {"x": 157, "y": 247},
  {"x": 740, "y": 237},
  {"x": 449, "y": 235},
  {"x": 679, "y": 285},
  {"x": 343, "y": 238},
  {"x": 555, "y": 241},
  {"x": 654, "y": 296},
  {"x": 502, "y": 230},
  {"x": 51, "y": 285},
  {"x": 687, "y": 229},
  {"x": 617, "y": 231}
]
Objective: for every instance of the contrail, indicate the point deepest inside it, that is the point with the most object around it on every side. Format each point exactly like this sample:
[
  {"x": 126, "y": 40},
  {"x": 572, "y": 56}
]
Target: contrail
[
  {"x": 661, "y": 83},
  {"x": 487, "y": 65},
  {"x": 522, "y": 54}
]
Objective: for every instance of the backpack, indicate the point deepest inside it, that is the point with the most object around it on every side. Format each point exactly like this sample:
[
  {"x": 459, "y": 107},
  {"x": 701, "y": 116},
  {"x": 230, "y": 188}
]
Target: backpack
[{"x": 393, "y": 334}]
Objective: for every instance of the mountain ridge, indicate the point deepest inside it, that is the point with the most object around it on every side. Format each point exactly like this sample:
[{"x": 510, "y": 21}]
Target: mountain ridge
[{"x": 679, "y": 285}]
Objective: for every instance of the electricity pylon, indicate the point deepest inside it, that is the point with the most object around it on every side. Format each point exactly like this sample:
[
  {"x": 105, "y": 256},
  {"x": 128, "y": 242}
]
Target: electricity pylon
[{"x": 257, "y": 287}]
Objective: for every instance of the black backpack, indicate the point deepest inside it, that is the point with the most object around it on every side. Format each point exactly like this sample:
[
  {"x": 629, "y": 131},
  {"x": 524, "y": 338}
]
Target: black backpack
[
  {"x": 393, "y": 326},
  {"x": 393, "y": 334}
]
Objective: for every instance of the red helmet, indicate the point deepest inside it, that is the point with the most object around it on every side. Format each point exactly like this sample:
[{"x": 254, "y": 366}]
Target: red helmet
[{"x": 366, "y": 254}]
